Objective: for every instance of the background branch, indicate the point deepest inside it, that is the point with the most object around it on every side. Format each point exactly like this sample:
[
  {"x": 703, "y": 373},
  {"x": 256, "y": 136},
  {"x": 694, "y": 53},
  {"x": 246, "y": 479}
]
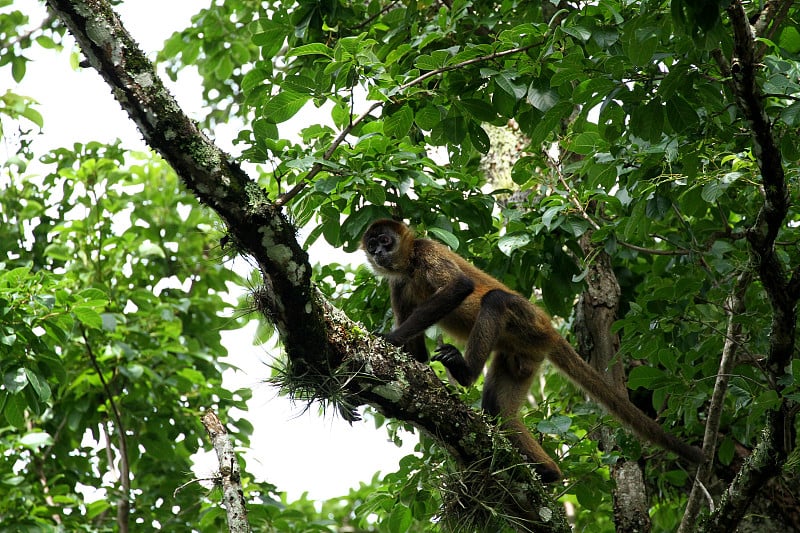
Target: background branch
[
  {"x": 232, "y": 493},
  {"x": 124, "y": 504},
  {"x": 699, "y": 495},
  {"x": 778, "y": 437}
]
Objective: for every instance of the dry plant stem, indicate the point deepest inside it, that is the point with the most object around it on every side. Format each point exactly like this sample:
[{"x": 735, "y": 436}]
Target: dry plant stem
[
  {"x": 124, "y": 504},
  {"x": 735, "y": 307},
  {"x": 230, "y": 477}
]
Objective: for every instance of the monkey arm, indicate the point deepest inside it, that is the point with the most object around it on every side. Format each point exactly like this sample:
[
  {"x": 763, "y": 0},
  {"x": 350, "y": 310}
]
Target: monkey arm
[
  {"x": 402, "y": 310},
  {"x": 482, "y": 339},
  {"x": 443, "y": 302}
]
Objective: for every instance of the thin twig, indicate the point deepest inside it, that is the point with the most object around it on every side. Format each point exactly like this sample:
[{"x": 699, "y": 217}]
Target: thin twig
[
  {"x": 124, "y": 506},
  {"x": 376, "y": 15}
]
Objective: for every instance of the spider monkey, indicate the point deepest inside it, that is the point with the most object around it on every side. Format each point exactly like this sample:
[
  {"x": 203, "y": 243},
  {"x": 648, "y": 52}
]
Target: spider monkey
[{"x": 430, "y": 285}]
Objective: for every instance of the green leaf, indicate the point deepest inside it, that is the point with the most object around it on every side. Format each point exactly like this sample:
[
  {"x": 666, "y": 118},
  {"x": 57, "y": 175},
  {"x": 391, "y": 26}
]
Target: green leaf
[
  {"x": 726, "y": 451},
  {"x": 647, "y": 121},
  {"x": 223, "y": 68},
  {"x": 271, "y": 39},
  {"x": 506, "y": 82},
  {"x": 578, "y": 32},
  {"x": 88, "y": 317},
  {"x": 508, "y": 243},
  {"x": 541, "y": 97},
  {"x": 284, "y": 106},
  {"x": 151, "y": 249},
  {"x": 399, "y": 519},
  {"x": 791, "y": 114},
  {"x": 550, "y": 121},
  {"x": 398, "y": 124},
  {"x": 454, "y": 129},
  {"x": 556, "y": 425},
  {"x": 790, "y": 39},
  {"x": 39, "y": 385},
  {"x": 480, "y": 139},
  {"x": 445, "y": 236},
  {"x": 588, "y": 495},
  {"x": 480, "y": 109},
  {"x": 14, "y": 410},
  {"x": 18, "y": 68},
  {"x": 15, "y": 380},
  {"x": 45, "y": 41},
  {"x": 713, "y": 190},
  {"x": 680, "y": 114},
  {"x": 33, "y": 115},
  {"x": 641, "y": 46},
  {"x": 645, "y": 376},
  {"x": 428, "y": 117},
  {"x": 309, "y": 50},
  {"x": 36, "y": 440},
  {"x": 97, "y": 508},
  {"x": 588, "y": 142},
  {"x": 426, "y": 62}
]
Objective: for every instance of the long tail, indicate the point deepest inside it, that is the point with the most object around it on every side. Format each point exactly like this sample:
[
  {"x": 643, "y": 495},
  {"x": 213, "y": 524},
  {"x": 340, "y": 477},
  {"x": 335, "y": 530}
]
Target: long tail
[{"x": 587, "y": 378}]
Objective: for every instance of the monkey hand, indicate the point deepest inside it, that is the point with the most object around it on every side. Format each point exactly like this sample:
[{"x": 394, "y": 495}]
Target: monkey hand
[
  {"x": 390, "y": 338},
  {"x": 454, "y": 362}
]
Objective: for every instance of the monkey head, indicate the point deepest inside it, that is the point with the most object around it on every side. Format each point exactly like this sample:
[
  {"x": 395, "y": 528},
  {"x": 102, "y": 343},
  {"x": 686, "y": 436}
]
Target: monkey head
[{"x": 387, "y": 243}]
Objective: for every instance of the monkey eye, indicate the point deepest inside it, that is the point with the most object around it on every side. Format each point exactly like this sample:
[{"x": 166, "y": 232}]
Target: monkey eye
[{"x": 384, "y": 240}]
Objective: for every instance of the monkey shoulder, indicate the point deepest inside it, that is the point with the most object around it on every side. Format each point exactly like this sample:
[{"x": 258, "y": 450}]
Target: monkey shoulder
[{"x": 437, "y": 262}]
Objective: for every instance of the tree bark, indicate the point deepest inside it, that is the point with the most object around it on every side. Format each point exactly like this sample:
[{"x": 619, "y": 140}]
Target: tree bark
[
  {"x": 322, "y": 345},
  {"x": 230, "y": 476},
  {"x": 699, "y": 494},
  {"x": 597, "y": 311},
  {"x": 778, "y": 438}
]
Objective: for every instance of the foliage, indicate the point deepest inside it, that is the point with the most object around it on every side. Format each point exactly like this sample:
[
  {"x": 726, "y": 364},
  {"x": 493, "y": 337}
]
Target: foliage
[
  {"x": 632, "y": 133},
  {"x": 653, "y": 156}
]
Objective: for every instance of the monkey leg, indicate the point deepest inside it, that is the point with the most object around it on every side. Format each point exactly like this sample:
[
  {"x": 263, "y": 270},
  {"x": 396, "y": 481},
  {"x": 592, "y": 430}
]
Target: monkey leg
[
  {"x": 504, "y": 392},
  {"x": 483, "y": 336}
]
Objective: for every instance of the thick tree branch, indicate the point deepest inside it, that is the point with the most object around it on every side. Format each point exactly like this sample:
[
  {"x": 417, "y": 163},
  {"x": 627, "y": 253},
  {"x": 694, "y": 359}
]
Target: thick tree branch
[
  {"x": 208, "y": 172},
  {"x": 323, "y": 345},
  {"x": 777, "y": 438}
]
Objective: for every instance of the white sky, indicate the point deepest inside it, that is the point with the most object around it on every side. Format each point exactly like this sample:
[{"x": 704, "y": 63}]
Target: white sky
[{"x": 297, "y": 452}]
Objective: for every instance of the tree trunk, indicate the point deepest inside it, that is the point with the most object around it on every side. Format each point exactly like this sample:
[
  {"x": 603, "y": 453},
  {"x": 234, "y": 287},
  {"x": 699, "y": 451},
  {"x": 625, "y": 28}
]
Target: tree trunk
[{"x": 596, "y": 313}]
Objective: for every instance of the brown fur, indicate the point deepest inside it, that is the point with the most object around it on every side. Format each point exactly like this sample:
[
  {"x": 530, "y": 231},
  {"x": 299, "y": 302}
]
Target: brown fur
[{"x": 432, "y": 285}]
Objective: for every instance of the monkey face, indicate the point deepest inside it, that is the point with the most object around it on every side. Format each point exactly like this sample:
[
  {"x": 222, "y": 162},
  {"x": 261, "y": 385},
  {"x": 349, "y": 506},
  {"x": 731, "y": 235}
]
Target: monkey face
[
  {"x": 380, "y": 247},
  {"x": 388, "y": 245}
]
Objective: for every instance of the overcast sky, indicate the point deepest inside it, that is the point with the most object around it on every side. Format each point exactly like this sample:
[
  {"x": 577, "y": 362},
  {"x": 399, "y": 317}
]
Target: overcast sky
[{"x": 297, "y": 452}]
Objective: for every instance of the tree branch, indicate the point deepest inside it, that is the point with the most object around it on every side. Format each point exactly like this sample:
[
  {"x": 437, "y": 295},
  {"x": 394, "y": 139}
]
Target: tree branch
[
  {"x": 734, "y": 308},
  {"x": 324, "y": 347},
  {"x": 124, "y": 504},
  {"x": 317, "y": 167},
  {"x": 778, "y": 437},
  {"x": 232, "y": 493},
  {"x": 595, "y": 315}
]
